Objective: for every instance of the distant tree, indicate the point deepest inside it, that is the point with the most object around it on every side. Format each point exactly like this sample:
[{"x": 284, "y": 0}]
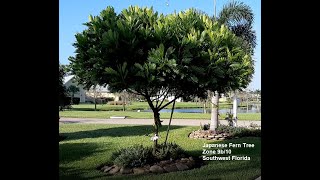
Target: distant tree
[
  {"x": 95, "y": 93},
  {"x": 181, "y": 55},
  {"x": 257, "y": 93},
  {"x": 238, "y": 17},
  {"x": 124, "y": 97},
  {"x": 66, "y": 69},
  {"x": 61, "y": 88},
  {"x": 73, "y": 90}
]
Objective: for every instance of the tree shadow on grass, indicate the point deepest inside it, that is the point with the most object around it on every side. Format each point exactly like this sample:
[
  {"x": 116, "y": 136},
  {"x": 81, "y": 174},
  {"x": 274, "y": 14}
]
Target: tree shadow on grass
[
  {"x": 69, "y": 152},
  {"x": 120, "y": 131},
  {"x": 73, "y": 173},
  {"x": 72, "y": 152}
]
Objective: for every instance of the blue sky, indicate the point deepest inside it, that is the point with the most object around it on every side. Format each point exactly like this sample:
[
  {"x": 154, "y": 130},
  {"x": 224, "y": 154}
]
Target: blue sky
[{"x": 73, "y": 13}]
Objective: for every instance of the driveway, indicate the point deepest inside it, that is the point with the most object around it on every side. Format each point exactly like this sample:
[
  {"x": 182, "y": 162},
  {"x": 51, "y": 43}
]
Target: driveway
[{"x": 178, "y": 122}]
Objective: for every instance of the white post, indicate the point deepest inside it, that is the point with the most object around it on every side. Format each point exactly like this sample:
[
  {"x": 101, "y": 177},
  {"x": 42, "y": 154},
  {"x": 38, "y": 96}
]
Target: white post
[{"x": 235, "y": 107}]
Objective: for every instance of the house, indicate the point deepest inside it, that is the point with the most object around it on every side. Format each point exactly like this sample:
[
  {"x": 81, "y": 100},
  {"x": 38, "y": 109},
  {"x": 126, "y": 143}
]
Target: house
[
  {"x": 102, "y": 92},
  {"x": 223, "y": 98},
  {"x": 68, "y": 81},
  {"x": 170, "y": 98},
  {"x": 85, "y": 95}
]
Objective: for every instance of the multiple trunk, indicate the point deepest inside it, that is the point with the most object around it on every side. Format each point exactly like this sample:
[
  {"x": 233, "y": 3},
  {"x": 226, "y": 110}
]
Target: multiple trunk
[
  {"x": 157, "y": 122},
  {"x": 214, "y": 117}
]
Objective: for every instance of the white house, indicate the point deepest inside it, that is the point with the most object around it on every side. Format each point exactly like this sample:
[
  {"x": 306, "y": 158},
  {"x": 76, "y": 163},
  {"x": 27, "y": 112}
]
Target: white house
[
  {"x": 85, "y": 95},
  {"x": 170, "y": 98},
  {"x": 68, "y": 81},
  {"x": 103, "y": 92}
]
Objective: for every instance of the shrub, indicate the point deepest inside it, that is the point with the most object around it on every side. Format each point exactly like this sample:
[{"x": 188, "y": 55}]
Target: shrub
[
  {"x": 135, "y": 156},
  {"x": 115, "y": 103},
  {"x": 109, "y": 99},
  {"x": 248, "y": 133},
  {"x": 111, "y": 102},
  {"x": 67, "y": 101},
  {"x": 239, "y": 131},
  {"x": 205, "y": 126},
  {"x": 229, "y": 117},
  {"x": 138, "y": 156},
  {"x": 76, "y": 100},
  {"x": 171, "y": 150}
]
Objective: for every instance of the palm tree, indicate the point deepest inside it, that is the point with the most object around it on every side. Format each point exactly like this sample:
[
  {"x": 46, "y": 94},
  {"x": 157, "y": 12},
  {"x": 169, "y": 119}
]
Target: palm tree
[
  {"x": 238, "y": 17},
  {"x": 73, "y": 89}
]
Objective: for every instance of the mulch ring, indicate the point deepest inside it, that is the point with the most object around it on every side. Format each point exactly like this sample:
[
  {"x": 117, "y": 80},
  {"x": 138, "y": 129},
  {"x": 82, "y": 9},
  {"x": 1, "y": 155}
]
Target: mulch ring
[
  {"x": 164, "y": 166},
  {"x": 209, "y": 135}
]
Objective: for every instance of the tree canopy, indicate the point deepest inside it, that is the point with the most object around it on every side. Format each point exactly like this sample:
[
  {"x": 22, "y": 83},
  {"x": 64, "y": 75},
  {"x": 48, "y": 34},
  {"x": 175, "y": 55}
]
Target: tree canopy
[
  {"x": 151, "y": 54},
  {"x": 156, "y": 55}
]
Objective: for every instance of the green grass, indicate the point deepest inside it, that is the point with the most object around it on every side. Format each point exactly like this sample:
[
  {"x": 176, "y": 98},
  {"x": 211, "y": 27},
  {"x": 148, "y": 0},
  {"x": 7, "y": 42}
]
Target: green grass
[
  {"x": 141, "y": 106},
  {"x": 149, "y": 115},
  {"x": 90, "y": 145}
]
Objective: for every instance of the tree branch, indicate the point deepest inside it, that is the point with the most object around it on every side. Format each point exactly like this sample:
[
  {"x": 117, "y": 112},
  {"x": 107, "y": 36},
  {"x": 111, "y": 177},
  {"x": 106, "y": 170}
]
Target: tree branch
[
  {"x": 163, "y": 98},
  {"x": 150, "y": 102},
  {"x": 157, "y": 101},
  {"x": 164, "y": 91},
  {"x": 135, "y": 92},
  {"x": 170, "y": 102},
  {"x": 148, "y": 98}
]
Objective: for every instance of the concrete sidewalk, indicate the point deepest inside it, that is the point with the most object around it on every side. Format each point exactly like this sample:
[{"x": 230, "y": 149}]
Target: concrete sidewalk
[{"x": 177, "y": 122}]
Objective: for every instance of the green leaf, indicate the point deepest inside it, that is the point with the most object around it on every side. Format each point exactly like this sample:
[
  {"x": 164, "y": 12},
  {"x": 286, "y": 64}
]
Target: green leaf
[
  {"x": 139, "y": 66},
  {"x": 111, "y": 71},
  {"x": 235, "y": 65},
  {"x": 194, "y": 79},
  {"x": 90, "y": 18}
]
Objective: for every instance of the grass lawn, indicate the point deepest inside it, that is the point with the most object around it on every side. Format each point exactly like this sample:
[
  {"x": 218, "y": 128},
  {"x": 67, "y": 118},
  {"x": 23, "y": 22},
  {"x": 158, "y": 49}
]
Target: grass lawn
[
  {"x": 89, "y": 145},
  {"x": 149, "y": 115},
  {"x": 141, "y": 106}
]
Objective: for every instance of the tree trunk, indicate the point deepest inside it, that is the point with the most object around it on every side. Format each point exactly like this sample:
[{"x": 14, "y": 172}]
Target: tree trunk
[
  {"x": 165, "y": 141},
  {"x": 71, "y": 102},
  {"x": 157, "y": 124},
  {"x": 95, "y": 104},
  {"x": 247, "y": 104},
  {"x": 214, "y": 111},
  {"x": 235, "y": 107},
  {"x": 124, "y": 103}
]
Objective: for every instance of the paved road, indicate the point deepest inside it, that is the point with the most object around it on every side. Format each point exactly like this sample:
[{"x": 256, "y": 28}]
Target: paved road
[{"x": 178, "y": 122}]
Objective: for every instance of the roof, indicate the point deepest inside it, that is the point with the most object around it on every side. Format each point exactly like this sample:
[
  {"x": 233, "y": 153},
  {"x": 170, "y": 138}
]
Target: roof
[
  {"x": 101, "y": 88},
  {"x": 67, "y": 78}
]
